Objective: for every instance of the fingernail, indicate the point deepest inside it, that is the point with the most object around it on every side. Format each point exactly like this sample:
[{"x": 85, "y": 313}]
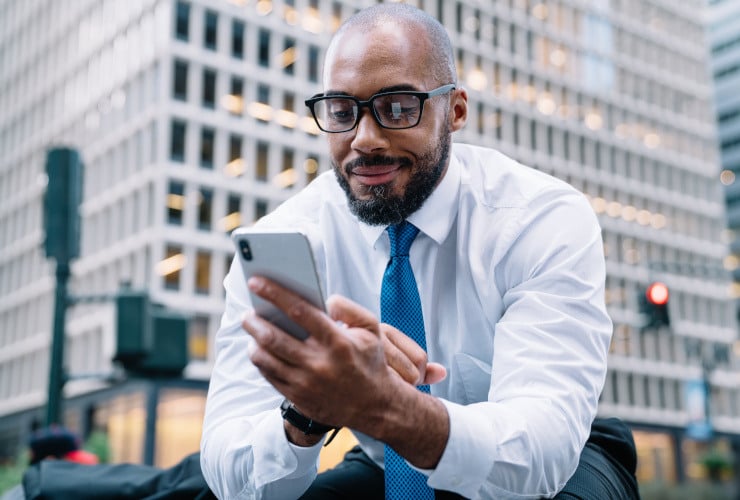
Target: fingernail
[{"x": 255, "y": 283}]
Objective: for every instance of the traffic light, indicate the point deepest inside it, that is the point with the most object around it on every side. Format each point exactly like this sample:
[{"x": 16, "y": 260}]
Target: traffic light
[
  {"x": 61, "y": 204},
  {"x": 151, "y": 340},
  {"x": 654, "y": 305}
]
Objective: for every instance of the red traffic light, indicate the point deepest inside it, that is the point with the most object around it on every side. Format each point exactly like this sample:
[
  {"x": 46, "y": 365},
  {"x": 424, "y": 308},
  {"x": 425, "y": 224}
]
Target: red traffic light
[{"x": 657, "y": 293}]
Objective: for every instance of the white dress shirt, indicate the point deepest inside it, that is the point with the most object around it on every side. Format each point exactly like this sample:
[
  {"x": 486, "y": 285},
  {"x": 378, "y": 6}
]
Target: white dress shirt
[{"x": 510, "y": 268}]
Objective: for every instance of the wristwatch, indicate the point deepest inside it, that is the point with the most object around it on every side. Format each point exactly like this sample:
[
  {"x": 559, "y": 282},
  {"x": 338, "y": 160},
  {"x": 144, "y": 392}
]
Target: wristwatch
[{"x": 301, "y": 422}]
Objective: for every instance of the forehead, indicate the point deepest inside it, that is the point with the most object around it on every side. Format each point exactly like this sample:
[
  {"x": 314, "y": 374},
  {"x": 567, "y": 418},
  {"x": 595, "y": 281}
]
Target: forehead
[{"x": 362, "y": 61}]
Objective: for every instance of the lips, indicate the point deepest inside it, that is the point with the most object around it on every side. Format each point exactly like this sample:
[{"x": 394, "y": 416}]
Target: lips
[{"x": 373, "y": 176}]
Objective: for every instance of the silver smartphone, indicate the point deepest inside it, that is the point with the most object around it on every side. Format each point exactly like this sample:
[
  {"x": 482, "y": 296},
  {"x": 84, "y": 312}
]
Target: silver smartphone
[{"x": 287, "y": 259}]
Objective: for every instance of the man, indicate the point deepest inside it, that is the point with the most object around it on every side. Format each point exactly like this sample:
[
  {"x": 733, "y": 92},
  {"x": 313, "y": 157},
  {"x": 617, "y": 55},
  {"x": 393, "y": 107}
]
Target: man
[{"x": 509, "y": 268}]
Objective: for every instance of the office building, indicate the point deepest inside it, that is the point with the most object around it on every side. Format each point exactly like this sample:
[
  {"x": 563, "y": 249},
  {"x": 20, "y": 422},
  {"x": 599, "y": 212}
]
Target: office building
[{"x": 189, "y": 117}]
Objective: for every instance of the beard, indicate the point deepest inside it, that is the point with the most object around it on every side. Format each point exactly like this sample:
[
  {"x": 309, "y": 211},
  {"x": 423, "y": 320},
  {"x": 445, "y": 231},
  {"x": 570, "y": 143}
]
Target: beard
[{"x": 383, "y": 207}]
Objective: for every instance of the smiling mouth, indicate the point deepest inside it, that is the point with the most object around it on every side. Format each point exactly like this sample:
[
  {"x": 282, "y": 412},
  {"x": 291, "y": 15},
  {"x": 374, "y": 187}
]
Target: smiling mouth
[{"x": 373, "y": 176}]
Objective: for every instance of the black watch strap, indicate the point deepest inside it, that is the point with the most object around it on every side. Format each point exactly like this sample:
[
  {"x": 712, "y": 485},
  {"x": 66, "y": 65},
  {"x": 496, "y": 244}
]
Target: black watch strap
[{"x": 302, "y": 422}]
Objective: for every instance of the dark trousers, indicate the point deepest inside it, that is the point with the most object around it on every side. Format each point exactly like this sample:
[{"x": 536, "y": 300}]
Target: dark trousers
[{"x": 606, "y": 471}]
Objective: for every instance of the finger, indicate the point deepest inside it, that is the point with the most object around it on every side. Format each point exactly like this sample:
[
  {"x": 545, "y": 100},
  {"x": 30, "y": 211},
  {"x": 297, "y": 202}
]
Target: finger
[
  {"x": 434, "y": 373},
  {"x": 273, "y": 340},
  {"x": 400, "y": 363},
  {"x": 351, "y": 313},
  {"x": 314, "y": 320},
  {"x": 408, "y": 346}
]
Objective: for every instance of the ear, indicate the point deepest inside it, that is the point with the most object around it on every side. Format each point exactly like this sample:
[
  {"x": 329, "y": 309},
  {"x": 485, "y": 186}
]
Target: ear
[{"x": 458, "y": 109}]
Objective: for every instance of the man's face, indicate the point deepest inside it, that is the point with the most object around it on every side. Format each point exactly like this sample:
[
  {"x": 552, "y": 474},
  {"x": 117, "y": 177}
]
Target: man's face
[{"x": 387, "y": 174}]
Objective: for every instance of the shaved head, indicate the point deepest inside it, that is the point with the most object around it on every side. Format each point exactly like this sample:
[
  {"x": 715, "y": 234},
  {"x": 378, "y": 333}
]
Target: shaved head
[{"x": 440, "y": 58}]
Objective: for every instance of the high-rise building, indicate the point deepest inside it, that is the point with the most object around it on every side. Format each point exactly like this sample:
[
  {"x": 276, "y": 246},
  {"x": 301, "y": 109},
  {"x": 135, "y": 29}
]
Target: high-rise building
[
  {"x": 724, "y": 36},
  {"x": 190, "y": 120}
]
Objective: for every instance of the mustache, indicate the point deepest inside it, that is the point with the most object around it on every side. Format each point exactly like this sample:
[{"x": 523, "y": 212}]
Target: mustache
[{"x": 375, "y": 161}]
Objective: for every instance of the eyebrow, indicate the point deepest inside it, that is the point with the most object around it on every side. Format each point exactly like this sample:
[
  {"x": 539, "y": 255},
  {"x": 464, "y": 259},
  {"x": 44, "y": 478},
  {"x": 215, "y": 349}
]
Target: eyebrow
[{"x": 392, "y": 88}]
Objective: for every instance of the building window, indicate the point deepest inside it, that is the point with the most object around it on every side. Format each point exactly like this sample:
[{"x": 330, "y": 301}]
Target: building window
[
  {"x": 207, "y": 138},
  {"x": 182, "y": 21},
  {"x": 260, "y": 209},
  {"x": 177, "y": 141},
  {"x": 288, "y": 119},
  {"x": 205, "y": 209},
  {"x": 233, "y": 217},
  {"x": 175, "y": 203},
  {"x": 210, "y": 30},
  {"x": 198, "y": 338},
  {"x": 202, "y": 272},
  {"x": 237, "y": 39},
  {"x": 235, "y": 165},
  {"x": 313, "y": 63},
  {"x": 171, "y": 266},
  {"x": 262, "y": 156},
  {"x": 263, "y": 97},
  {"x": 237, "y": 96},
  {"x": 264, "y": 48},
  {"x": 180, "y": 81},
  {"x": 287, "y": 176},
  {"x": 289, "y": 56},
  {"x": 209, "y": 88},
  {"x": 311, "y": 167}
]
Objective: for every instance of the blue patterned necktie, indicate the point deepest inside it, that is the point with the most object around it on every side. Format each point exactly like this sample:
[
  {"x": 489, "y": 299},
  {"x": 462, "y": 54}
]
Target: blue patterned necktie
[{"x": 400, "y": 306}]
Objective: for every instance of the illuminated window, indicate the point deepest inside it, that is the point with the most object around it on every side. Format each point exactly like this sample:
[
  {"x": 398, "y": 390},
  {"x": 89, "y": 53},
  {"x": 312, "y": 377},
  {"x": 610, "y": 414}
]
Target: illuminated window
[
  {"x": 263, "y": 97},
  {"x": 232, "y": 219},
  {"x": 171, "y": 267},
  {"x": 262, "y": 156},
  {"x": 202, "y": 272},
  {"x": 237, "y": 96},
  {"x": 235, "y": 166},
  {"x": 289, "y": 56},
  {"x": 175, "y": 203},
  {"x": 198, "y": 338}
]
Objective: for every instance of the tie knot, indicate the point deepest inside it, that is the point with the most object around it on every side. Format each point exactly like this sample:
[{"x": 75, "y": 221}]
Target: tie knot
[{"x": 401, "y": 236}]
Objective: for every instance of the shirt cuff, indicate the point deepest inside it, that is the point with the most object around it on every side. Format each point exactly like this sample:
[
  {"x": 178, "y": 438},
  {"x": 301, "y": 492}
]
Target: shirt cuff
[{"x": 469, "y": 437}]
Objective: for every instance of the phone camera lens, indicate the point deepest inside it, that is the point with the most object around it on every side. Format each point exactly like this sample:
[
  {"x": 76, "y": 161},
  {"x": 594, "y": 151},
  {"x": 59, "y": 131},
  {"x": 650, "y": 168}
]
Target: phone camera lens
[{"x": 245, "y": 250}]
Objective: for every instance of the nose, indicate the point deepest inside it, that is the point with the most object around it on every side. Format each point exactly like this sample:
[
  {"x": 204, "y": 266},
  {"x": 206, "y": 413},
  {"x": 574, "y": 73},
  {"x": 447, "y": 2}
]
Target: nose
[{"x": 369, "y": 136}]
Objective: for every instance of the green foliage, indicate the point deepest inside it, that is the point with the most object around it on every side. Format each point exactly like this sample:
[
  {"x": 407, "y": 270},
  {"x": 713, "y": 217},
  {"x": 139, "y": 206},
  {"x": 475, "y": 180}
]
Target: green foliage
[
  {"x": 11, "y": 472},
  {"x": 98, "y": 443},
  {"x": 716, "y": 461}
]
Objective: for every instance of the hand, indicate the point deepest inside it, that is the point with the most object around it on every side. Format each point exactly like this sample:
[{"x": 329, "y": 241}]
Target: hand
[
  {"x": 334, "y": 376},
  {"x": 408, "y": 359},
  {"x": 340, "y": 374}
]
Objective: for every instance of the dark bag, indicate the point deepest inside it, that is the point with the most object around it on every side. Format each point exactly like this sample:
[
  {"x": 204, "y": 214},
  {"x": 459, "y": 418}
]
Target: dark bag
[
  {"x": 607, "y": 467},
  {"x": 60, "y": 480}
]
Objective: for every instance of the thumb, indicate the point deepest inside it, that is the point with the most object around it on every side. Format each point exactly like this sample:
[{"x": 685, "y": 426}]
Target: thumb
[{"x": 434, "y": 373}]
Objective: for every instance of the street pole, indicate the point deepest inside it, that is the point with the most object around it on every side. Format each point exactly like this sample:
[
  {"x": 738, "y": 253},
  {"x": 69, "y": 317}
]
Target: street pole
[
  {"x": 62, "y": 199},
  {"x": 56, "y": 368}
]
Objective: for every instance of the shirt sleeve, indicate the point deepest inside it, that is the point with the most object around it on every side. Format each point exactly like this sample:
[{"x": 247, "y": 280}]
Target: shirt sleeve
[
  {"x": 549, "y": 357},
  {"x": 244, "y": 450}
]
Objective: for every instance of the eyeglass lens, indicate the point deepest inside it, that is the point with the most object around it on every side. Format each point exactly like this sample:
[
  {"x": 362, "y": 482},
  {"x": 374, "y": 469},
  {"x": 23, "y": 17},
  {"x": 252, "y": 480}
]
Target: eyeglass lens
[{"x": 392, "y": 111}]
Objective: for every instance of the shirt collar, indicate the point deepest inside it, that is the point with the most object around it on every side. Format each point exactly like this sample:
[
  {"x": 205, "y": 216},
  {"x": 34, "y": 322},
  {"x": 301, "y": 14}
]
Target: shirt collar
[{"x": 436, "y": 215}]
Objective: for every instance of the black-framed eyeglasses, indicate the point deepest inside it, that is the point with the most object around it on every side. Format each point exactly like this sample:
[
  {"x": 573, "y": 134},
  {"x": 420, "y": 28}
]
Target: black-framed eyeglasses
[{"x": 393, "y": 110}]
